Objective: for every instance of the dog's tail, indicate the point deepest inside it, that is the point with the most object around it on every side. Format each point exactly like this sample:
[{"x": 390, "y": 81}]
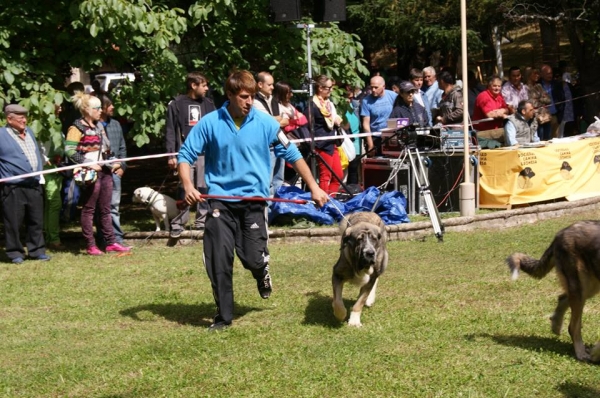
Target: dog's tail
[{"x": 536, "y": 268}]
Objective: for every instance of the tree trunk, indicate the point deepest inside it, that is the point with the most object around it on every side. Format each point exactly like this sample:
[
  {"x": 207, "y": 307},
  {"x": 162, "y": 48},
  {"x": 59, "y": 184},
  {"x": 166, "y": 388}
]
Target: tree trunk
[
  {"x": 497, "y": 38},
  {"x": 586, "y": 59},
  {"x": 550, "y": 49}
]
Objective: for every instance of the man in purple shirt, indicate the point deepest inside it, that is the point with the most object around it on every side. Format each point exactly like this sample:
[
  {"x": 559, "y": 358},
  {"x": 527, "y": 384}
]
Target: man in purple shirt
[{"x": 514, "y": 91}]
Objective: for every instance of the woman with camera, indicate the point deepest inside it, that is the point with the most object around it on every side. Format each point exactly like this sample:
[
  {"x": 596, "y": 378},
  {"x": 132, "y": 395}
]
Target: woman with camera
[
  {"x": 86, "y": 142},
  {"x": 325, "y": 122}
]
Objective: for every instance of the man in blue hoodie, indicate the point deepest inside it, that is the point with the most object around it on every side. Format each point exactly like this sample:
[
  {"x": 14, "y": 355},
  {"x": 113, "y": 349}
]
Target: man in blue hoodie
[
  {"x": 23, "y": 198},
  {"x": 235, "y": 141}
]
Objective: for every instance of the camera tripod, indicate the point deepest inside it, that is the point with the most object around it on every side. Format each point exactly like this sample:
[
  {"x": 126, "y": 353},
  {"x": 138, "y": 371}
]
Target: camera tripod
[{"x": 420, "y": 175}]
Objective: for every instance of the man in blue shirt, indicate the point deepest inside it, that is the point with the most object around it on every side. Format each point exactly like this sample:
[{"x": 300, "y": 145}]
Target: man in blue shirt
[
  {"x": 375, "y": 110},
  {"x": 235, "y": 141},
  {"x": 433, "y": 94}
]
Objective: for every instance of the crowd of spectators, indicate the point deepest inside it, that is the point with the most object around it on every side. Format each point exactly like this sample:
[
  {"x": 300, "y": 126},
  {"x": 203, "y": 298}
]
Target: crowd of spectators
[{"x": 531, "y": 105}]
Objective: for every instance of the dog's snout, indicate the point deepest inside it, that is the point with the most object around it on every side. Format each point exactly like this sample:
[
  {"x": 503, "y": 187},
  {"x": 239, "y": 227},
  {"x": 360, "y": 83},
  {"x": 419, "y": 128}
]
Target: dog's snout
[{"x": 369, "y": 252}]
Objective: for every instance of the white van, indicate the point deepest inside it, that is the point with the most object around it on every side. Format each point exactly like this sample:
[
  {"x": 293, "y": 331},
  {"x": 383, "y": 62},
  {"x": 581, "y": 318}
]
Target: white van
[{"x": 113, "y": 80}]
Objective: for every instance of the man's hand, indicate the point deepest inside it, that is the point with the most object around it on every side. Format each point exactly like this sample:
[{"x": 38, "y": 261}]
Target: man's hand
[
  {"x": 370, "y": 151},
  {"x": 119, "y": 172},
  {"x": 172, "y": 163},
  {"x": 319, "y": 197},
  {"x": 192, "y": 195}
]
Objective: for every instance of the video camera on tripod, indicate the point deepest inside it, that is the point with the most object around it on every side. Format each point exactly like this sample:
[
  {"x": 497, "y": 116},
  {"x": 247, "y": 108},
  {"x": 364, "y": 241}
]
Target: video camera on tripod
[{"x": 395, "y": 139}]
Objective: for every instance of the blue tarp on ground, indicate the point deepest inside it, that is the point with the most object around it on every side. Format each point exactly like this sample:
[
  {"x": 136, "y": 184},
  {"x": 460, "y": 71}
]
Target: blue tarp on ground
[{"x": 391, "y": 207}]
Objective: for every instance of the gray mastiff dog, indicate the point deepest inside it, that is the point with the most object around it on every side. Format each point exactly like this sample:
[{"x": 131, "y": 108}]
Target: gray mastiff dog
[{"x": 363, "y": 258}]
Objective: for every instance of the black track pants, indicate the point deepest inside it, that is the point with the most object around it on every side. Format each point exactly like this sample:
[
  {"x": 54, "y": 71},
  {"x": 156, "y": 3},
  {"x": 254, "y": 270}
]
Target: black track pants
[{"x": 229, "y": 225}]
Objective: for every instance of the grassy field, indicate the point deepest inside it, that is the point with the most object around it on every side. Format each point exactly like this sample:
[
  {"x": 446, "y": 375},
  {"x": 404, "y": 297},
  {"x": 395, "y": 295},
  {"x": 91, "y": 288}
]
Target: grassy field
[{"x": 448, "y": 322}]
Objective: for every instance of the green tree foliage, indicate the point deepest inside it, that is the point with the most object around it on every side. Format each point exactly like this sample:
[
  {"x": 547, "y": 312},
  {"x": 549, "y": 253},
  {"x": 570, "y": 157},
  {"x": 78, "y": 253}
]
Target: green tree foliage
[
  {"x": 415, "y": 29},
  {"x": 160, "y": 41}
]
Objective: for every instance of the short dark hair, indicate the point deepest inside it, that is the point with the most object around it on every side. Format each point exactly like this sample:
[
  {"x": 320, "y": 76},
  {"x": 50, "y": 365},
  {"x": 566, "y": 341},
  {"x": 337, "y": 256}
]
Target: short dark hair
[
  {"x": 194, "y": 78},
  {"x": 240, "y": 80},
  {"x": 415, "y": 73},
  {"x": 446, "y": 77},
  {"x": 522, "y": 104},
  {"x": 513, "y": 68}
]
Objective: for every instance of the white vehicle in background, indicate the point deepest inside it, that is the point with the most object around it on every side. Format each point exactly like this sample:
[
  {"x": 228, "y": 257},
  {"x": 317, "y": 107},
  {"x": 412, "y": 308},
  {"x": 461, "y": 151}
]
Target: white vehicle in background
[{"x": 112, "y": 81}]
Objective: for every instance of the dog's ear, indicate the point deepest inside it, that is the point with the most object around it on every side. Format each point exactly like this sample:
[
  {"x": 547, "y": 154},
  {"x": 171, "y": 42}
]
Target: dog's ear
[{"x": 347, "y": 237}]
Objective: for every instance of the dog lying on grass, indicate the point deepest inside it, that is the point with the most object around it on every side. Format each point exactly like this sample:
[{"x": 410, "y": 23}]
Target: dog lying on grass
[
  {"x": 363, "y": 258},
  {"x": 575, "y": 252},
  {"x": 163, "y": 207}
]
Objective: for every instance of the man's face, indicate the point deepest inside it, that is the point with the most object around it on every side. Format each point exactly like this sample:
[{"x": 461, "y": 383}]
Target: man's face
[
  {"x": 377, "y": 87},
  {"x": 443, "y": 85},
  {"x": 515, "y": 78},
  {"x": 240, "y": 103},
  {"x": 17, "y": 122},
  {"x": 417, "y": 82},
  {"x": 108, "y": 110},
  {"x": 528, "y": 112},
  {"x": 546, "y": 73},
  {"x": 495, "y": 86},
  {"x": 408, "y": 97},
  {"x": 429, "y": 78},
  {"x": 266, "y": 87},
  {"x": 200, "y": 89}
]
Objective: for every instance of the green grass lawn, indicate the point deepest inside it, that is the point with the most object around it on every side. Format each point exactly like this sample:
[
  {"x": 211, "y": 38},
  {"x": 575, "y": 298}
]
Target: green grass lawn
[{"x": 448, "y": 322}]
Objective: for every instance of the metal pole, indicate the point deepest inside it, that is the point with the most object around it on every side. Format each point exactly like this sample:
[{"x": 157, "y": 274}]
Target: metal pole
[
  {"x": 467, "y": 189},
  {"x": 313, "y": 161}
]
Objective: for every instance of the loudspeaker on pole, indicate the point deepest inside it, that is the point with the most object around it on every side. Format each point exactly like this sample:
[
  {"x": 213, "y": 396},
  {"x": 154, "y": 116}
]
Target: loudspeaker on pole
[
  {"x": 330, "y": 10},
  {"x": 285, "y": 10}
]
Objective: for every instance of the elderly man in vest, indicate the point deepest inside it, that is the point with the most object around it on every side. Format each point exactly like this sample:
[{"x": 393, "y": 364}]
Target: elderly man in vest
[
  {"x": 22, "y": 198},
  {"x": 521, "y": 126}
]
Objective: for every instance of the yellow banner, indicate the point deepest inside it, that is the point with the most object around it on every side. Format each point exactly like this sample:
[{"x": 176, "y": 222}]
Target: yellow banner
[{"x": 568, "y": 170}]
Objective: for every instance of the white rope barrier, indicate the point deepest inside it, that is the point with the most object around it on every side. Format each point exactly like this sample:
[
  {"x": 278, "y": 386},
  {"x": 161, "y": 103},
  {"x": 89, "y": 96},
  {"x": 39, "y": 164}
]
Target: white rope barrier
[{"x": 74, "y": 166}]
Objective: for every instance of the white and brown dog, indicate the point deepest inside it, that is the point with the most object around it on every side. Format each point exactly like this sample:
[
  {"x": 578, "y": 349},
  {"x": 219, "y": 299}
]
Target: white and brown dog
[{"x": 163, "y": 207}]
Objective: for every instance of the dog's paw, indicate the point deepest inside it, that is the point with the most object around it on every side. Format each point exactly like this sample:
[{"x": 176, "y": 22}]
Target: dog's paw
[
  {"x": 556, "y": 324},
  {"x": 370, "y": 300},
  {"x": 354, "y": 319},
  {"x": 339, "y": 311}
]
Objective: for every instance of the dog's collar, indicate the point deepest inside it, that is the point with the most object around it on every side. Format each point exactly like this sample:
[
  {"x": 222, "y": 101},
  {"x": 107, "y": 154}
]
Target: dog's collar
[{"x": 151, "y": 198}]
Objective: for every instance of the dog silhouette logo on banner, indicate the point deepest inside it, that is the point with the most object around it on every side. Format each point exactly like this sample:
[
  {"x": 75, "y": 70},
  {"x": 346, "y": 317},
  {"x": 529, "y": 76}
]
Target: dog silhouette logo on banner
[{"x": 525, "y": 176}]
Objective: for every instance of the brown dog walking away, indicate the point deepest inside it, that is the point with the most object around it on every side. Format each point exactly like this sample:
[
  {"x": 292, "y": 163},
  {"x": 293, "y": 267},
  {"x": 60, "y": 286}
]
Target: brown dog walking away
[
  {"x": 575, "y": 252},
  {"x": 363, "y": 258}
]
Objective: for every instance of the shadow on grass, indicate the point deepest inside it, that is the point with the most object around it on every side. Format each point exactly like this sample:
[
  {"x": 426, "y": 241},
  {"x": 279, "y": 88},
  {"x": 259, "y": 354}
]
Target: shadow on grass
[
  {"x": 531, "y": 343},
  {"x": 184, "y": 314},
  {"x": 574, "y": 390},
  {"x": 319, "y": 311}
]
